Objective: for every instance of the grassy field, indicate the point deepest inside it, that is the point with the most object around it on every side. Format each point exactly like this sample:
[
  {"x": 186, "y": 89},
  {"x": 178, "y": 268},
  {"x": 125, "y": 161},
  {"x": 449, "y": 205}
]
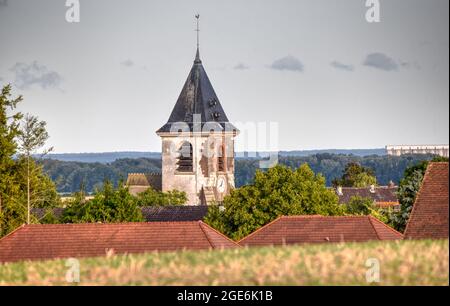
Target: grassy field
[{"x": 401, "y": 263}]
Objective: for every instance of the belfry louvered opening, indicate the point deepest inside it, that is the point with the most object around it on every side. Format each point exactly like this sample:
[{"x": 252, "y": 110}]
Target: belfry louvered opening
[{"x": 185, "y": 155}]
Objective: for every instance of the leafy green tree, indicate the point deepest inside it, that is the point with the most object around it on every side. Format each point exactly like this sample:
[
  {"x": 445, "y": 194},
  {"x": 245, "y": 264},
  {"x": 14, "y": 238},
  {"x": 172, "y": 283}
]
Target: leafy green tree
[
  {"x": 407, "y": 191},
  {"x": 36, "y": 184},
  {"x": 109, "y": 205},
  {"x": 49, "y": 217},
  {"x": 276, "y": 192},
  {"x": 365, "y": 206},
  {"x": 356, "y": 175},
  {"x": 20, "y": 176},
  {"x": 9, "y": 190},
  {"x": 32, "y": 136},
  {"x": 151, "y": 197}
]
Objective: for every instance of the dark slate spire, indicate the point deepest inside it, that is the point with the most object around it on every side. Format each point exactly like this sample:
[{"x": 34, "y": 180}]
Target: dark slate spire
[
  {"x": 197, "y": 57},
  {"x": 198, "y": 98}
]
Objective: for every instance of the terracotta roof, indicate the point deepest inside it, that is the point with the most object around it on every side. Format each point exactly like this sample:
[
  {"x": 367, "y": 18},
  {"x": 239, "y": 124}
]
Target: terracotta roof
[
  {"x": 174, "y": 213},
  {"x": 48, "y": 241},
  {"x": 384, "y": 194},
  {"x": 317, "y": 229},
  {"x": 429, "y": 216}
]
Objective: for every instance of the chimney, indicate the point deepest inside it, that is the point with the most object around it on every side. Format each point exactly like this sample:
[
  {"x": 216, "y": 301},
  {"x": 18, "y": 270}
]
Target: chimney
[
  {"x": 391, "y": 184},
  {"x": 339, "y": 191}
]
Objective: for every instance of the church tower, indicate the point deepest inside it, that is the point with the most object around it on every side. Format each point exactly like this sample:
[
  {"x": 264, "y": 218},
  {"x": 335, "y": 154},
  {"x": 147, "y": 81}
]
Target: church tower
[{"x": 198, "y": 142}]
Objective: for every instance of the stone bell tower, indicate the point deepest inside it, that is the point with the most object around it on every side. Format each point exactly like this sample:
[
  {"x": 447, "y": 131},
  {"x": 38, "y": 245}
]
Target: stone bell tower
[{"x": 198, "y": 142}]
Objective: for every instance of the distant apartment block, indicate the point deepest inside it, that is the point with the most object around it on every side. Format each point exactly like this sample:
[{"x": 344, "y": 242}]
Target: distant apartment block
[{"x": 441, "y": 150}]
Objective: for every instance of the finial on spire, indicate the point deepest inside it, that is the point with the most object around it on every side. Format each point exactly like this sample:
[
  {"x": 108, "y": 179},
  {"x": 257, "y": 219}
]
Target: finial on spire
[{"x": 197, "y": 55}]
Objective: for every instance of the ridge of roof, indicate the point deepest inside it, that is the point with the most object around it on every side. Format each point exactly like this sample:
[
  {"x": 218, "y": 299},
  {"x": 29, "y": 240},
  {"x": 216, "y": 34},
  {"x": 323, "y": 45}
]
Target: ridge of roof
[
  {"x": 206, "y": 234},
  {"x": 14, "y": 231},
  {"x": 372, "y": 219},
  {"x": 145, "y": 173},
  {"x": 106, "y": 224},
  {"x": 216, "y": 231}
]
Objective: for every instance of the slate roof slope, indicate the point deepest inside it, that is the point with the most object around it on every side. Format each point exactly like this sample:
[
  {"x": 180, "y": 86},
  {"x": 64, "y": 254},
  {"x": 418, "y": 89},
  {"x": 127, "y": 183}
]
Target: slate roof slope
[
  {"x": 150, "y": 213},
  {"x": 320, "y": 229},
  {"x": 174, "y": 213},
  {"x": 429, "y": 216},
  {"x": 49, "y": 241},
  {"x": 382, "y": 194},
  {"x": 197, "y": 97}
]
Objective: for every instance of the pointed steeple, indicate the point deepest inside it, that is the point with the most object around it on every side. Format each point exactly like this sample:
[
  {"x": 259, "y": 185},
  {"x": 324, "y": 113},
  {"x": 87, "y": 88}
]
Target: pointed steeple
[
  {"x": 197, "y": 98},
  {"x": 197, "y": 57}
]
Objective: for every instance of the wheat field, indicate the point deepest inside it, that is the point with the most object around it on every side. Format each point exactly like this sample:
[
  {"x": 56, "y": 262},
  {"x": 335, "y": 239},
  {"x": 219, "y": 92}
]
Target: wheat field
[{"x": 373, "y": 263}]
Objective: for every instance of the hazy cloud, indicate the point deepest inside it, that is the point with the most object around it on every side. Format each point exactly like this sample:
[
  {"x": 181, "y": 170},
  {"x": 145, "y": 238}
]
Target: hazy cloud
[
  {"x": 241, "y": 66},
  {"x": 380, "y": 61},
  {"x": 3, "y": 3},
  {"x": 289, "y": 63},
  {"x": 341, "y": 66},
  {"x": 127, "y": 63},
  {"x": 27, "y": 75},
  {"x": 410, "y": 65}
]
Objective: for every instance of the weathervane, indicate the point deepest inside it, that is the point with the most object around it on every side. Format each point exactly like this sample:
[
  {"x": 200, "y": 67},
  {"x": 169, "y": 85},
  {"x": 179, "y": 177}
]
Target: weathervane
[{"x": 198, "y": 30}]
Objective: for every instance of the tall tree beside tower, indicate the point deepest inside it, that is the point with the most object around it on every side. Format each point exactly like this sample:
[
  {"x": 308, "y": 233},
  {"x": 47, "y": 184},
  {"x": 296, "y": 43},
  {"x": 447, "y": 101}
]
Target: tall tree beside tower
[
  {"x": 9, "y": 130},
  {"x": 16, "y": 184}
]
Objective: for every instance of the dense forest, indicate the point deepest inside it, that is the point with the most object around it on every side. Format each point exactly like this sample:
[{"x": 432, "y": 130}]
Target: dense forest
[{"x": 69, "y": 176}]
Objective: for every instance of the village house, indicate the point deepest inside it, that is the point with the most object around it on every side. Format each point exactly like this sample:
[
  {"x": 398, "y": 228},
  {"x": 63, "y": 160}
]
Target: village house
[
  {"x": 50, "y": 241},
  {"x": 288, "y": 230},
  {"x": 382, "y": 196}
]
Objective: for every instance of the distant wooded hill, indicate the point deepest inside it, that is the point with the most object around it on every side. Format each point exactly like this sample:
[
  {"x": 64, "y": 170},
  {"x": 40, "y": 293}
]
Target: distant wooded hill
[
  {"x": 109, "y": 157},
  {"x": 70, "y": 175}
]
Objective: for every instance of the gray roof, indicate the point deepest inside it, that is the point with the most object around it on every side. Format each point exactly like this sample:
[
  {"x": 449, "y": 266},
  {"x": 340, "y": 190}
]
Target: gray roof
[
  {"x": 198, "y": 97},
  {"x": 380, "y": 194},
  {"x": 150, "y": 213},
  {"x": 174, "y": 213}
]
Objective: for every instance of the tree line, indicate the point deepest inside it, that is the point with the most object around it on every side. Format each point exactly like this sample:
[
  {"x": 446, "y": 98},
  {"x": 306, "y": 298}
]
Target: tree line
[
  {"x": 296, "y": 186},
  {"x": 68, "y": 176}
]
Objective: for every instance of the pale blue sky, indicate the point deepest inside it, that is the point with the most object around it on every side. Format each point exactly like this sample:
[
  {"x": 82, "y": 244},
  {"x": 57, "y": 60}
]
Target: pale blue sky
[{"x": 329, "y": 78}]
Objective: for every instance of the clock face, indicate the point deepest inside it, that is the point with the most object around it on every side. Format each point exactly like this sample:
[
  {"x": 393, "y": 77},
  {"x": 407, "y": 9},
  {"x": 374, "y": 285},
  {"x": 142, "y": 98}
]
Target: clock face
[{"x": 221, "y": 184}]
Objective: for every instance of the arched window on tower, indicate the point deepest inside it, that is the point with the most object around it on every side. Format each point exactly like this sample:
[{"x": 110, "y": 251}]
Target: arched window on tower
[
  {"x": 184, "y": 163},
  {"x": 221, "y": 158}
]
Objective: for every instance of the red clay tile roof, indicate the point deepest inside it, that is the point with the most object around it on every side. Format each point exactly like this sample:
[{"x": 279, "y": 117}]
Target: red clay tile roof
[
  {"x": 316, "y": 229},
  {"x": 429, "y": 216},
  {"x": 48, "y": 241}
]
